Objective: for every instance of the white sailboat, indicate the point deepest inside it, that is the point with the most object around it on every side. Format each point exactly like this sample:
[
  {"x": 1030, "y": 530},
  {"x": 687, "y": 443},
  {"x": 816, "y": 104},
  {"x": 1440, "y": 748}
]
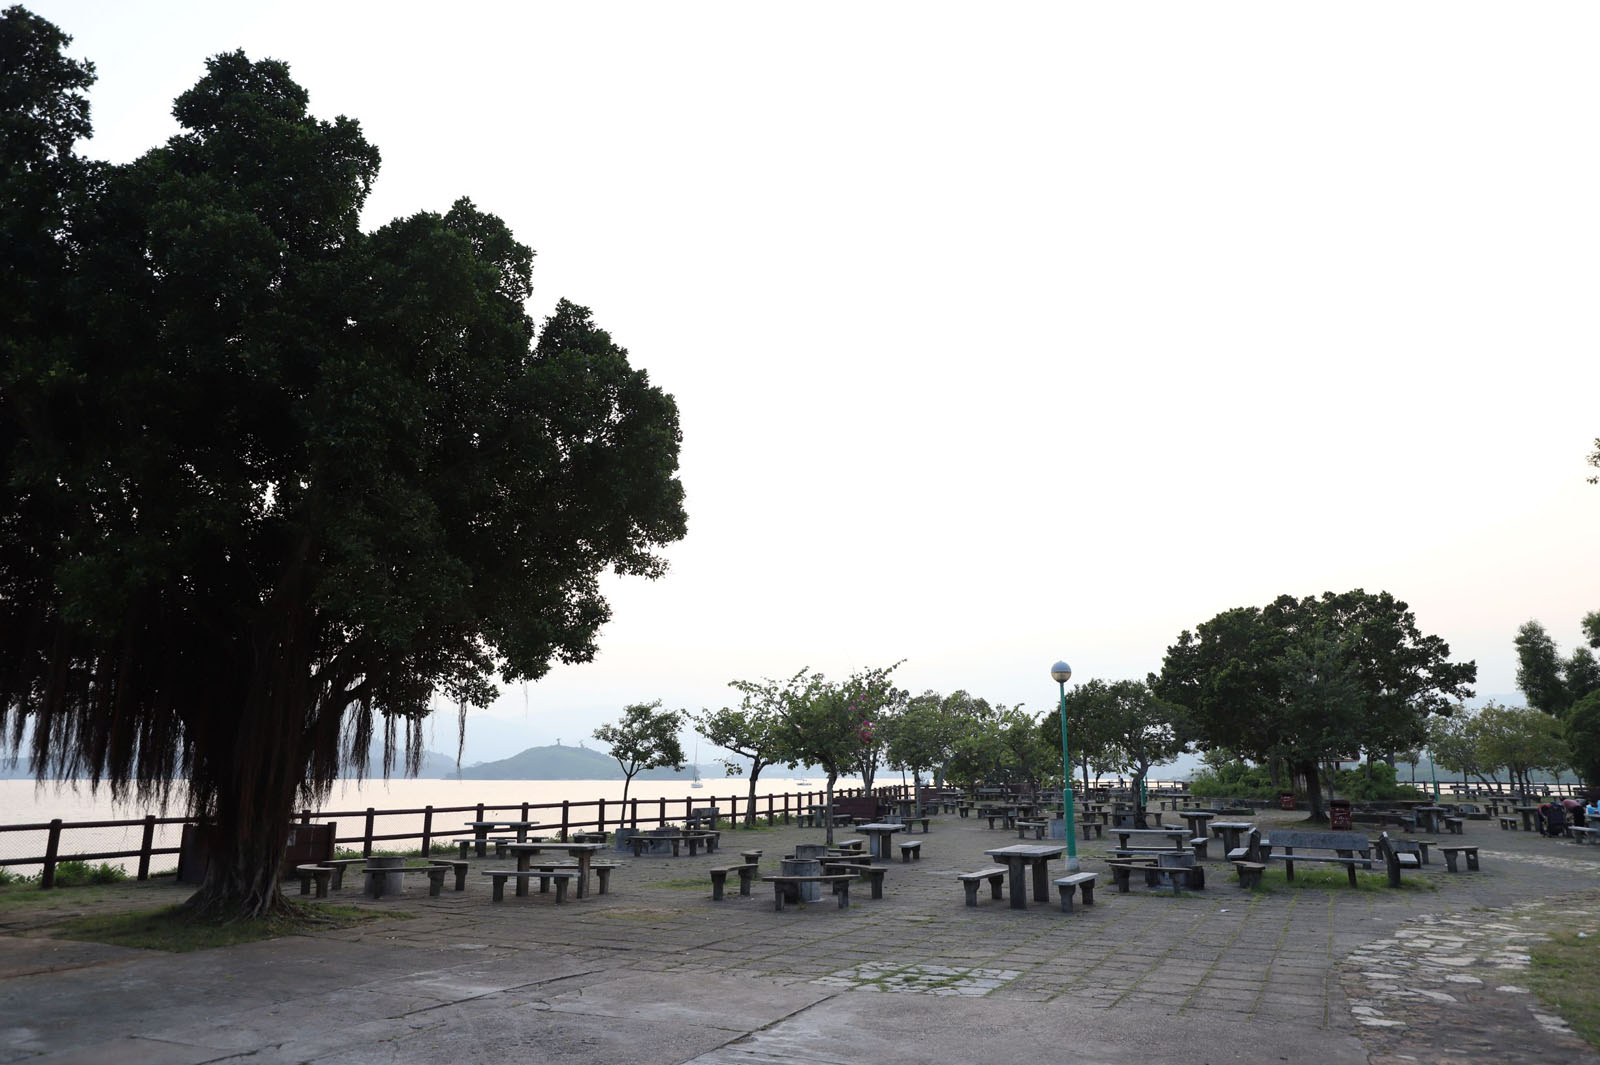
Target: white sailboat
[{"x": 696, "y": 782}]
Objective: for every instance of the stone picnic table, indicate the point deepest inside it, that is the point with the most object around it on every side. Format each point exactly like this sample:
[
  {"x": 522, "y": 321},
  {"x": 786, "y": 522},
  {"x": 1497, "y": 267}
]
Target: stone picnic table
[
  {"x": 583, "y": 852},
  {"x": 1229, "y": 832},
  {"x": 1197, "y": 820},
  {"x": 1428, "y": 817},
  {"x": 1018, "y": 858},
  {"x": 481, "y": 830},
  {"x": 1528, "y": 813},
  {"x": 878, "y": 835}
]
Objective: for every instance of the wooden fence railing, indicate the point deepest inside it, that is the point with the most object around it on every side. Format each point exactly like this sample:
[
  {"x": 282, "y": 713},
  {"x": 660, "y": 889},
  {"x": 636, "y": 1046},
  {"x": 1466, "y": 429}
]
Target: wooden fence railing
[{"x": 563, "y": 817}]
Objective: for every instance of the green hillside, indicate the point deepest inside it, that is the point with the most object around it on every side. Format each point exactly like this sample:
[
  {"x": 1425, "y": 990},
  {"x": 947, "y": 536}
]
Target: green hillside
[{"x": 559, "y": 763}]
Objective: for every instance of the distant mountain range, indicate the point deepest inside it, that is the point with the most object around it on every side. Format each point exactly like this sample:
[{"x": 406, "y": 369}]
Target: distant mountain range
[{"x": 536, "y": 763}]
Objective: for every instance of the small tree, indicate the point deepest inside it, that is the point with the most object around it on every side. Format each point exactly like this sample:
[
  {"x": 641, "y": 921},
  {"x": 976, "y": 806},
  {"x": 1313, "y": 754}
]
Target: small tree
[
  {"x": 752, "y": 731},
  {"x": 821, "y": 726},
  {"x": 875, "y": 700},
  {"x": 645, "y": 738},
  {"x": 1583, "y": 738}
]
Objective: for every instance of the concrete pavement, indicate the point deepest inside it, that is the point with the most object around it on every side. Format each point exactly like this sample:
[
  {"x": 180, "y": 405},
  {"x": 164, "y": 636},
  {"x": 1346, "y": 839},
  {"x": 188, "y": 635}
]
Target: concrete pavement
[{"x": 657, "y": 973}]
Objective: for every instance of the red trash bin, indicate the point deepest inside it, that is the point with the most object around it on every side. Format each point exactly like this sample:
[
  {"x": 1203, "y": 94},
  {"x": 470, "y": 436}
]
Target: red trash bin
[
  {"x": 1339, "y": 815},
  {"x": 1286, "y": 800}
]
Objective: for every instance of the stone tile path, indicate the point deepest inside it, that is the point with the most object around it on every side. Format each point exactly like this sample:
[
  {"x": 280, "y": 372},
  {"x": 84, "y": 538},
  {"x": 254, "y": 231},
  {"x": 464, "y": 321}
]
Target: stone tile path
[{"x": 1220, "y": 975}]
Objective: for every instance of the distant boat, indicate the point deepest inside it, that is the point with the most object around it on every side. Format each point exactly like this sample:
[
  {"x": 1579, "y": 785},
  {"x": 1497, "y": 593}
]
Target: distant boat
[
  {"x": 802, "y": 783},
  {"x": 696, "y": 782}
]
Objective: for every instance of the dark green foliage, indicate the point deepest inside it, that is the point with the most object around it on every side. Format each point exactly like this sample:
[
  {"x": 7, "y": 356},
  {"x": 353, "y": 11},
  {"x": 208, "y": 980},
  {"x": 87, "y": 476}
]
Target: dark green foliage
[
  {"x": 1308, "y": 680},
  {"x": 1234, "y": 779},
  {"x": 77, "y": 874},
  {"x": 645, "y": 737},
  {"x": 1550, "y": 682},
  {"x": 271, "y": 483},
  {"x": 1582, "y": 729}
]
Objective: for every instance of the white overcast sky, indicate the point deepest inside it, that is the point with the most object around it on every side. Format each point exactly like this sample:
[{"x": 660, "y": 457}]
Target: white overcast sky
[{"x": 1010, "y": 332}]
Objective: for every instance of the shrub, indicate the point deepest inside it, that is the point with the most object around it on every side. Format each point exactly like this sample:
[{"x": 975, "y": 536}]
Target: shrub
[
  {"x": 76, "y": 874},
  {"x": 1235, "y": 778}
]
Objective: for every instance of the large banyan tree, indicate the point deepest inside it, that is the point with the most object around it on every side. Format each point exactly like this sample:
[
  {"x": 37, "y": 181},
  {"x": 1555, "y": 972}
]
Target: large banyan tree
[{"x": 271, "y": 483}]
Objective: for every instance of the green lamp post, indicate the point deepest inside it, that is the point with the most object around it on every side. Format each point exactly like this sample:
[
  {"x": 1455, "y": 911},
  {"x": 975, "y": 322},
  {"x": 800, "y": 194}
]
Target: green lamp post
[
  {"x": 1435, "y": 771},
  {"x": 1061, "y": 673}
]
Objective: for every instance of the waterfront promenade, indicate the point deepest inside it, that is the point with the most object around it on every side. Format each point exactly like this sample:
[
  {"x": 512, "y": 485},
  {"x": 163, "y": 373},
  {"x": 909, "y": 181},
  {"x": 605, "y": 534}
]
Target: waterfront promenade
[{"x": 655, "y": 972}]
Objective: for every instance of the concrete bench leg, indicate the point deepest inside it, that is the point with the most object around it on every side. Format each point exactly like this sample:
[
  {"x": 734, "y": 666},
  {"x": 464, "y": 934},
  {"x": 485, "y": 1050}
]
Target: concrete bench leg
[
  {"x": 718, "y": 878},
  {"x": 1472, "y": 861},
  {"x": 466, "y": 849},
  {"x": 747, "y": 877},
  {"x": 971, "y": 888},
  {"x": 995, "y": 884},
  {"x": 1120, "y": 875},
  {"x": 841, "y": 888},
  {"x": 499, "y": 888},
  {"x": 777, "y": 897},
  {"x": 1066, "y": 891},
  {"x": 561, "y": 889}
]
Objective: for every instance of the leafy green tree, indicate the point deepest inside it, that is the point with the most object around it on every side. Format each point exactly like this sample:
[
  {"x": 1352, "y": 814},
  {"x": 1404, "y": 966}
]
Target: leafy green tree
[
  {"x": 274, "y": 482},
  {"x": 920, "y": 736},
  {"x": 1582, "y": 731},
  {"x": 645, "y": 737},
  {"x": 1128, "y": 728},
  {"x": 1522, "y": 741},
  {"x": 1305, "y": 679},
  {"x": 1456, "y": 743},
  {"x": 822, "y": 726},
  {"x": 752, "y": 730},
  {"x": 1539, "y": 670},
  {"x": 876, "y": 700}
]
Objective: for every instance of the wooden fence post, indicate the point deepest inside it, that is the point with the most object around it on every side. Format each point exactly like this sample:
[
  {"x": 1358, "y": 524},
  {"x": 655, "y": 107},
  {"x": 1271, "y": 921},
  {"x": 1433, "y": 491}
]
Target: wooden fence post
[
  {"x": 661, "y": 815},
  {"x": 145, "y": 845},
  {"x": 366, "y": 841},
  {"x": 427, "y": 830},
  {"x": 565, "y": 819},
  {"x": 635, "y": 821},
  {"x": 600, "y": 825},
  {"x": 47, "y": 879}
]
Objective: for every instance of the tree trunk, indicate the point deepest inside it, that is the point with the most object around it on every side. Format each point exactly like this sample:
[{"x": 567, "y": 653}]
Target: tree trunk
[
  {"x": 750, "y": 806},
  {"x": 1314, "y": 790},
  {"x": 827, "y": 814}
]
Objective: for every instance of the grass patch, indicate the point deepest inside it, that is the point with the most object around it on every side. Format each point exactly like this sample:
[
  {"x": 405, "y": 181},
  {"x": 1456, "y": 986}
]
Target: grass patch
[
  {"x": 174, "y": 929},
  {"x": 1563, "y": 977},
  {"x": 25, "y": 894},
  {"x": 1323, "y": 878}
]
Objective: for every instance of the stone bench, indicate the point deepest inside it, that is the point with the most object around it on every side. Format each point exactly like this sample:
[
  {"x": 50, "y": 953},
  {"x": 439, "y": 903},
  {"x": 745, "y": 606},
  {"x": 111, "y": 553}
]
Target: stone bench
[
  {"x": 1089, "y": 825},
  {"x": 786, "y": 887},
  {"x": 1177, "y": 875},
  {"x": 377, "y": 876},
  {"x": 909, "y": 849},
  {"x": 339, "y": 865},
  {"x": 1450, "y": 857},
  {"x": 601, "y": 870},
  {"x": 719, "y": 877},
  {"x": 1036, "y": 827},
  {"x": 1395, "y": 861},
  {"x": 591, "y": 837},
  {"x": 1250, "y": 873},
  {"x": 1582, "y": 834},
  {"x": 322, "y": 874},
  {"x": 749, "y": 857},
  {"x": 871, "y": 873},
  {"x": 995, "y": 874},
  {"x": 562, "y": 878},
  {"x": 456, "y": 866},
  {"x": 1346, "y": 846},
  {"x": 853, "y": 844},
  {"x": 1067, "y": 885},
  {"x": 1510, "y": 824},
  {"x": 1454, "y": 825}
]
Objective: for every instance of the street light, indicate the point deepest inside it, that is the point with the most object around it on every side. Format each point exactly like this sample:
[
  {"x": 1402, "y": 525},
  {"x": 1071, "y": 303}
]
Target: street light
[
  {"x": 1061, "y": 673},
  {"x": 1435, "y": 771}
]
